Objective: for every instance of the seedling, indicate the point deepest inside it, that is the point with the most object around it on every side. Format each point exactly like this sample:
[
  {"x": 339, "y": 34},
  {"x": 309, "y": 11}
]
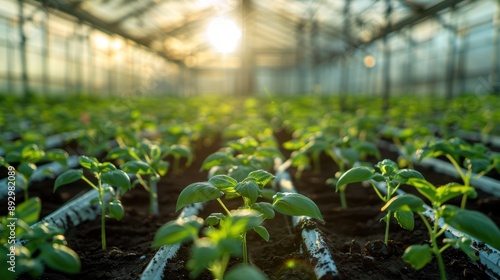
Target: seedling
[
  {"x": 249, "y": 189},
  {"x": 43, "y": 244},
  {"x": 221, "y": 241},
  {"x": 28, "y": 157},
  {"x": 473, "y": 223},
  {"x": 107, "y": 176},
  {"x": 241, "y": 157},
  {"x": 477, "y": 159},
  {"x": 393, "y": 177},
  {"x": 148, "y": 159}
]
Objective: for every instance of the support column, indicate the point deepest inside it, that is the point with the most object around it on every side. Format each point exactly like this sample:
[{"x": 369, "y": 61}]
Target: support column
[
  {"x": 344, "y": 66},
  {"x": 301, "y": 58},
  {"x": 452, "y": 50},
  {"x": 409, "y": 62},
  {"x": 247, "y": 68},
  {"x": 462, "y": 59},
  {"x": 22, "y": 46},
  {"x": 45, "y": 54},
  {"x": 386, "y": 71},
  {"x": 495, "y": 67}
]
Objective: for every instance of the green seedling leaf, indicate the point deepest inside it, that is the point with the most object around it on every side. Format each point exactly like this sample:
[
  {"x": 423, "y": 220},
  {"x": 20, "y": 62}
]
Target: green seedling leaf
[
  {"x": 26, "y": 168},
  {"x": 29, "y": 210},
  {"x": 162, "y": 167},
  {"x": 120, "y": 152},
  {"x": 177, "y": 231},
  {"x": 405, "y": 219},
  {"x": 248, "y": 189},
  {"x": 13, "y": 156},
  {"x": 214, "y": 219},
  {"x": 115, "y": 209},
  {"x": 240, "y": 172},
  {"x": 265, "y": 208},
  {"x": 404, "y": 175},
  {"x": 477, "y": 165},
  {"x": 262, "y": 232},
  {"x": 451, "y": 190},
  {"x": 464, "y": 244},
  {"x": 216, "y": 159},
  {"x": 241, "y": 221},
  {"x": 367, "y": 147},
  {"x": 387, "y": 167},
  {"x": 406, "y": 202},
  {"x": 425, "y": 188},
  {"x": 474, "y": 223},
  {"x": 260, "y": 177},
  {"x": 418, "y": 256},
  {"x": 116, "y": 178},
  {"x": 224, "y": 183},
  {"x": 57, "y": 155},
  {"x": 197, "y": 192},
  {"x": 32, "y": 153},
  {"x": 89, "y": 163},
  {"x": 268, "y": 152},
  {"x": 105, "y": 167},
  {"x": 355, "y": 175},
  {"x": 181, "y": 151},
  {"x": 60, "y": 257},
  {"x": 245, "y": 272},
  {"x": 137, "y": 167},
  {"x": 203, "y": 253},
  {"x": 67, "y": 177},
  {"x": 295, "y": 204}
]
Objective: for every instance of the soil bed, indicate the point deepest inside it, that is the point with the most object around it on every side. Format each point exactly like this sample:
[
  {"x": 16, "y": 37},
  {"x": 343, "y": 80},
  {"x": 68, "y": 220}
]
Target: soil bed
[{"x": 354, "y": 234}]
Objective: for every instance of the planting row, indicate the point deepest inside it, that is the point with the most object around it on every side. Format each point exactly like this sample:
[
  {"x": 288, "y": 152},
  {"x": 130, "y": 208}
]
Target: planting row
[{"x": 127, "y": 161}]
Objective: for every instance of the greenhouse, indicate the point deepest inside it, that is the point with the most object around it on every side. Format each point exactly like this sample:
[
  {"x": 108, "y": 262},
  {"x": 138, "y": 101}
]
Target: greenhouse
[{"x": 250, "y": 139}]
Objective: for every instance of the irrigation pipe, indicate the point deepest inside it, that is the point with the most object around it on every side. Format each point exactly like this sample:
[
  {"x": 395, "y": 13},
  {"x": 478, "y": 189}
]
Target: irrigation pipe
[
  {"x": 154, "y": 269},
  {"x": 41, "y": 173},
  {"x": 488, "y": 256},
  {"x": 312, "y": 239},
  {"x": 483, "y": 183}
]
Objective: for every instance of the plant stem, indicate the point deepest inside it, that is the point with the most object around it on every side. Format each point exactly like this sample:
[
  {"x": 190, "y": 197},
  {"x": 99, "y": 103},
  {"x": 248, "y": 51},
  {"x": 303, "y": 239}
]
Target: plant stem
[
  {"x": 103, "y": 216},
  {"x": 343, "y": 201},
  {"x": 224, "y": 206},
  {"x": 387, "y": 223},
  {"x": 153, "y": 198},
  {"x": 245, "y": 250}
]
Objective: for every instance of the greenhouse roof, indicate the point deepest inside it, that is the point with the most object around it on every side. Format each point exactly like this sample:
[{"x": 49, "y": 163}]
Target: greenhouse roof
[{"x": 277, "y": 33}]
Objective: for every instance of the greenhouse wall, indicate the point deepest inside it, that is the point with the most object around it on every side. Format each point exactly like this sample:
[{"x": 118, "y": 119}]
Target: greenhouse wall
[{"x": 449, "y": 54}]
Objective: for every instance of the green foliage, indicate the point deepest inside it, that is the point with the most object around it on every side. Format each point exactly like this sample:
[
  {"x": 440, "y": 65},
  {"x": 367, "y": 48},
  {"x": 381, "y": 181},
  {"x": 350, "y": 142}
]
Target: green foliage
[
  {"x": 393, "y": 177},
  {"x": 226, "y": 234},
  {"x": 43, "y": 244},
  {"x": 148, "y": 162},
  {"x": 107, "y": 176},
  {"x": 28, "y": 156},
  {"x": 473, "y": 223}
]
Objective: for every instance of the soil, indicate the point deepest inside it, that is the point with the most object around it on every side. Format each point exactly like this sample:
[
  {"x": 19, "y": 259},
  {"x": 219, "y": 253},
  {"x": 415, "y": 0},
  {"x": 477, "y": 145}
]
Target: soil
[{"x": 354, "y": 234}]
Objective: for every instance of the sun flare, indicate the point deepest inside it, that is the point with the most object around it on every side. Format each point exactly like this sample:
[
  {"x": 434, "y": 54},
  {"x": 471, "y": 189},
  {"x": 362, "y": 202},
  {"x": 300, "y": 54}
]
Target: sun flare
[{"x": 223, "y": 34}]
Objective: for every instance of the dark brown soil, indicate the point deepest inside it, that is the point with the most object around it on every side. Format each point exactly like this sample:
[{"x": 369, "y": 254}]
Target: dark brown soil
[{"x": 354, "y": 234}]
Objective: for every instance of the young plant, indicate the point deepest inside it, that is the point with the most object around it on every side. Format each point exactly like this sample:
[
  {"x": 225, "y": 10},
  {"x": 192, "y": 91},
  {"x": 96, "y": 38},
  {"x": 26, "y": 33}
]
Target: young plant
[
  {"x": 242, "y": 156},
  {"x": 249, "y": 189},
  {"x": 43, "y": 244},
  {"x": 221, "y": 240},
  {"x": 107, "y": 176},
  {"x": 349, "y": 153},
  {"x": 393, "y": 178},
  {"x": 147, "y": 159},
  {"x": 28, "y": 157},
  {"x": 477, "y": 159},
  {"x": 473, "y": 223}
]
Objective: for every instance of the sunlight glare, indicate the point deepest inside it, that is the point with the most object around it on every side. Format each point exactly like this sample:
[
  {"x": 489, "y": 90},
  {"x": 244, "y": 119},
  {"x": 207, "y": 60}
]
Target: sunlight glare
[{"x": 223, "y": 34}]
